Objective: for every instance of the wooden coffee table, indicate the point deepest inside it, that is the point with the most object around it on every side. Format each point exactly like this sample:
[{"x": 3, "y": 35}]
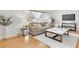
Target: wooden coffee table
[{"x": 58, "y": 32}]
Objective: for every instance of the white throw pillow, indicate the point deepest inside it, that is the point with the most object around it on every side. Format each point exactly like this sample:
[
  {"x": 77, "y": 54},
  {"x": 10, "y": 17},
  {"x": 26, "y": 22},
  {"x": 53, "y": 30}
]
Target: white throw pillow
[{"x": 48, "y": 23}]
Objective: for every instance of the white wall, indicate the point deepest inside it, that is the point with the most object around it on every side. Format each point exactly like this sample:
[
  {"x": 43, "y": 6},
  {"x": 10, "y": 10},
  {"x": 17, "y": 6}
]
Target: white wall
[
  {"x": 57, "y": 15},
  {"x": 12, "y": 30}
]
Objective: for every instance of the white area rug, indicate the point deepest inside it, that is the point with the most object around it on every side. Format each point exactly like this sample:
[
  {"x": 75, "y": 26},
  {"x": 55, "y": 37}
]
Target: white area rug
[{"x": 69, "y": 41}]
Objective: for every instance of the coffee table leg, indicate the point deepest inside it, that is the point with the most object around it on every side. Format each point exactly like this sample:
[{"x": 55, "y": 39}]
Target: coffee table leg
[
  {"x": 60, "y": 38},
  {"x": 45, "y": 33},
  {"x": 57, "y": 39},
  {"x": 68, "y": 32},
  {"x": 54, "y": 37}
]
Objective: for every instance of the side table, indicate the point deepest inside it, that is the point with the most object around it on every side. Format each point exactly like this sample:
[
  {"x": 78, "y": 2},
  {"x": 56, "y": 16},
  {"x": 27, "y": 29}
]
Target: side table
[{"x": 24, "y": 31}]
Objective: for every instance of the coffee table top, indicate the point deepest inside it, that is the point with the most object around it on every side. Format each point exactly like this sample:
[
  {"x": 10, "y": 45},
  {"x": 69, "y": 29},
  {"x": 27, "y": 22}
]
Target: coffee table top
[{"x": 57, "y": 30}]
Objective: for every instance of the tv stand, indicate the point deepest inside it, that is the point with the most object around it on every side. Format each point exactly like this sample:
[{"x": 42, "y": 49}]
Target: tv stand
[{"x": 70, "y": 26}]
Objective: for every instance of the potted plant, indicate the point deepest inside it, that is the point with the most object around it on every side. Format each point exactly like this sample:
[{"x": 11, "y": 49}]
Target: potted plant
[{"x": 5, "y": 21}]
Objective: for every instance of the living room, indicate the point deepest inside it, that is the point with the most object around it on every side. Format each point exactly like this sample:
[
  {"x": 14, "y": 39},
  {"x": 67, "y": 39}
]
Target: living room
[{"x": 38, "y": 22}]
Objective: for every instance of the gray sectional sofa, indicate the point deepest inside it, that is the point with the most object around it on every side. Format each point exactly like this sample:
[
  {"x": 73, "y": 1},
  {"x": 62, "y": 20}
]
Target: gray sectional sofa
[{"x": 39, "y": 27}]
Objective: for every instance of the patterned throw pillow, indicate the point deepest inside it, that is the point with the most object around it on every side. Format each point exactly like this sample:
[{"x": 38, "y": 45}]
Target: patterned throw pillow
[{"x": 43, "y": 23}]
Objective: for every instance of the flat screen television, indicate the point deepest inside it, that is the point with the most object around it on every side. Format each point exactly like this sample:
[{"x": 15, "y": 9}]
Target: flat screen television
[{"x": 68, "y": 18}]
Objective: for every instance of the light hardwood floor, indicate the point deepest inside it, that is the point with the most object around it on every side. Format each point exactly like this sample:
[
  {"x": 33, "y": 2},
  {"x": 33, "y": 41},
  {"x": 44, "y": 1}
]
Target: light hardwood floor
[{"x": 19, "y": 42}]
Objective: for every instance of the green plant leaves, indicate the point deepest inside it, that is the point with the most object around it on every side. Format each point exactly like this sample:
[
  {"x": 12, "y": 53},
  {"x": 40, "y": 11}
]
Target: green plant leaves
[{"x": 5, "y": 21}]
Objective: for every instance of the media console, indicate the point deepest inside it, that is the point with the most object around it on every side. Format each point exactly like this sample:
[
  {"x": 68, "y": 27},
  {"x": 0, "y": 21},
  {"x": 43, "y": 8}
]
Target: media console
[
  {"x": 68, "y": 21},
  {"x": 70, "y": 26}
]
